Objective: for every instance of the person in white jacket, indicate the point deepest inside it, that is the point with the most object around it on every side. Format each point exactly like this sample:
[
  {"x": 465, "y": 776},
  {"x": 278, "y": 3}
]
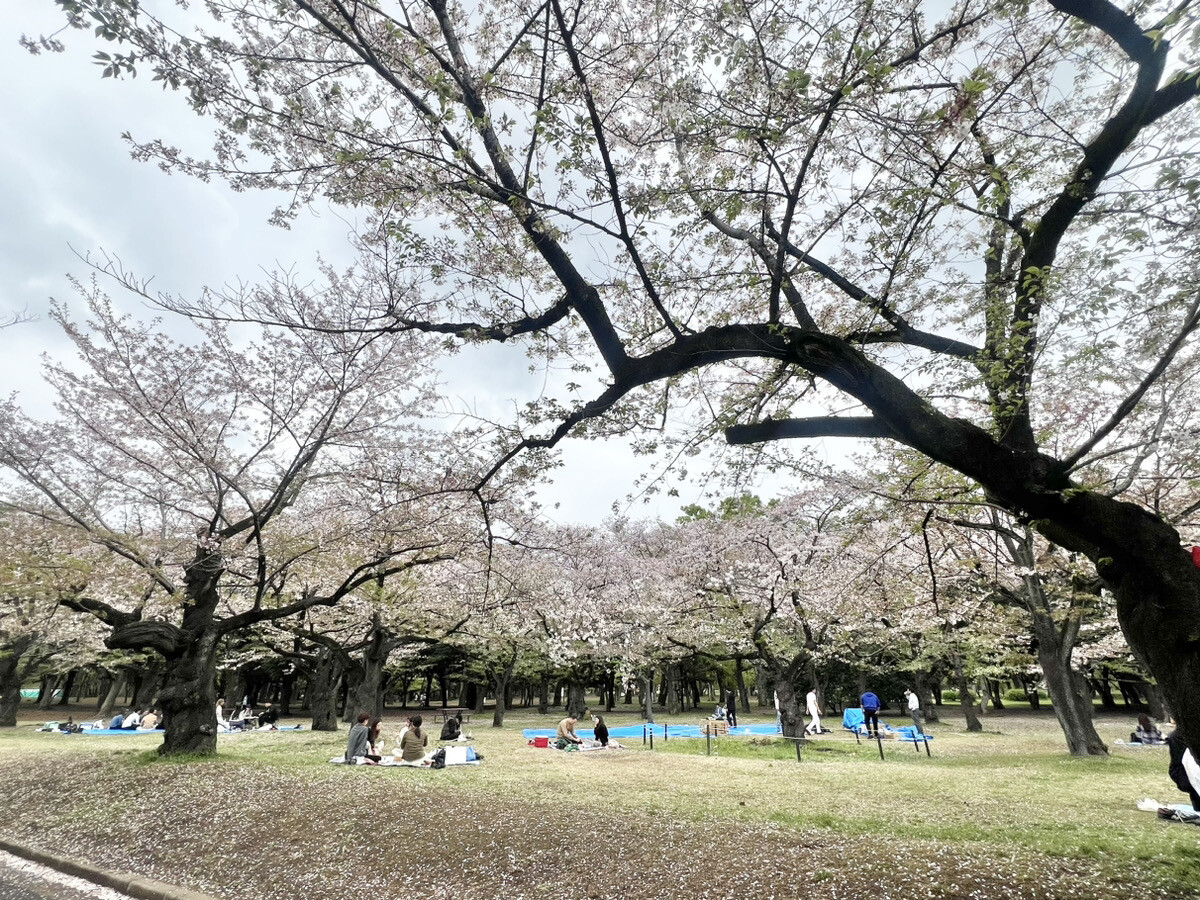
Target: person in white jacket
[{"x": 222, "y": 722}]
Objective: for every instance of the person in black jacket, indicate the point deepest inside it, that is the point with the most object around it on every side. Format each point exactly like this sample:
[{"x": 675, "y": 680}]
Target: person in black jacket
[
  {"x": 452, "y": 729},
  {"x": 1178, "y": 768},
  {"x": 269, "y": 717},
  {"x": 731, "y": 709},
  {"x": 600, "y": 730}
]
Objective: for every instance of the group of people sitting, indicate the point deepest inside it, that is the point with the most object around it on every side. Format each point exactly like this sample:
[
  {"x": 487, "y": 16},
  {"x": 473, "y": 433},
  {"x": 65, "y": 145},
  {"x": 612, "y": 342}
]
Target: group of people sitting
[
  {"x": 247, "y": 720},
  {"x": 365, "y": 744},
  {"x": 148, "y": 719},
  {"x": 566, "y": 737}
]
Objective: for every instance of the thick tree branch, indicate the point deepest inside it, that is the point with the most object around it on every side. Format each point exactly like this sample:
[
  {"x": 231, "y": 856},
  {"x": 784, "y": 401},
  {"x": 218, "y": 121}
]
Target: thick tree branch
[{"x": 820, "y": 426}]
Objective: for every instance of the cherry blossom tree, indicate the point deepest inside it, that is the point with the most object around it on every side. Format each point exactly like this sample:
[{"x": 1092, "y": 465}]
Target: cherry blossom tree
[
  {"x": 818, "y": 220},
  {"x": 236, "y": 483},
  {"x": 40, "y": 567}
]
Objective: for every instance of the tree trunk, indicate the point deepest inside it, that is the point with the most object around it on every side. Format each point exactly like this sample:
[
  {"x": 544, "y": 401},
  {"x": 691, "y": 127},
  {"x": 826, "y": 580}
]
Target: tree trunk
[
  {"x": 965, "y": 698},
  {"x": 286, "y": 687},
  {"x": 235, "y": 689},
  {"x": 323, "y": 684},
  {"x": 352, "y": 677},
  {"x": 1154, "y": 700},
  {"x": 1031, "y": 692},
  {"x": 1055, "y": 642},
  {"x": 500, "y": 682},
  {"x": 671, "y": 683},
  {"x": 480, "y": 698},
  {"x": 576, "y": 700},
  {"x": 11, "y": 676},
  {"x": 103, "y": 685},
  {"x": 110, "y": 698},
  {"x": 766, "y": 688},
  {"x": 68, "y": 686},
  {"x": 149, "y": 686},
  {"x": 739, "y": 676},
  {"x": 46, "y": 695},
  {"x": 791, "y": 701},
  {"x": 647, "y": 689},
  {"x": 1104, "y": 689},
  {"x": 994, "y": 688},
  {"x": 1069, "y": 695},
  {"x": 366, "y": 688},
  {"x": 543, "y": 696},
  {"x": 921, "y": 686}
]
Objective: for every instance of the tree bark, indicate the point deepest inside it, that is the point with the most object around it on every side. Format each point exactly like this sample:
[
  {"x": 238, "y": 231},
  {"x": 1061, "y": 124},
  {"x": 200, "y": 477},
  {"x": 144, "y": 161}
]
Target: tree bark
[
  {"x": 1069, "y": 695},
  {"x": 576, "y": 699},
  {"x": 68, "y": 686},
  {"x": 11, "y": 676},
  {"x": 921, "y": 686},
  {"x": 323, "y": 684},
  {"x": 966, "y": 699},
  {"x": 46, "y": 695},
  {"x": 647, "y": 685},
  {"x": 366, "y": 690},
  {"x": 791, "y": 702},
  {"x": 500, "y": 680},
  {"x": 671, "y": 684},
  {"x": 235, "y": 689},
  {"x": 110, "y": 698},
  {"x": 739, "y": 677}
]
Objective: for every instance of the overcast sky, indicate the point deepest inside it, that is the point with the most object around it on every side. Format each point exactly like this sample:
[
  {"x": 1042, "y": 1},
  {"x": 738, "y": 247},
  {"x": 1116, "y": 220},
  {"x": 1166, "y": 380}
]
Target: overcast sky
[{"x": 70, "y": 187}]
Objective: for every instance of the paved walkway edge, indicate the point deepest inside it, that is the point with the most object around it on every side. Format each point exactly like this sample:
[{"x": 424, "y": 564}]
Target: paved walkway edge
[{"x": 133, "y": 885}]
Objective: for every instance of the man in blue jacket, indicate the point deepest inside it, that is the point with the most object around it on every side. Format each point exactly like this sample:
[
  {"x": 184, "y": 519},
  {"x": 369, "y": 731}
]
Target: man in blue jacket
[{"x": 870, "y": 708}]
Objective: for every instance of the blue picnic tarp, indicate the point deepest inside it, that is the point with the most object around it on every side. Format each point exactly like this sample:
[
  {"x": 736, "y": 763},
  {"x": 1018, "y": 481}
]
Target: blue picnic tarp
[
  {"x": 629, "y": 732},
  {"x": 853, "y": 720}
]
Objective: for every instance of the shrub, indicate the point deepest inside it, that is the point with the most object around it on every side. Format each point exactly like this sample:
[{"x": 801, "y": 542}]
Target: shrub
[{"x": 950, "y": 696}]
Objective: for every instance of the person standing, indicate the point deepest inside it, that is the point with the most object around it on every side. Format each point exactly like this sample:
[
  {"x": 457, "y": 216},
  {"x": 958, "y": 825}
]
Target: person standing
[
  {"x": 914, "y": 710},
  {"x": 813, "y": 708},
  {"x": 870, "y": 708},
  {"x": 778, "y": 715},
  {"x": 731, "y": 709}
]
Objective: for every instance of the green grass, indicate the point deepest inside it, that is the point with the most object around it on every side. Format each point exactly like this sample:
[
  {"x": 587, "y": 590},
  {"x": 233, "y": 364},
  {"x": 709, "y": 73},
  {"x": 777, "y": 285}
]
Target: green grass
[{"x": 1011, "y": 793}]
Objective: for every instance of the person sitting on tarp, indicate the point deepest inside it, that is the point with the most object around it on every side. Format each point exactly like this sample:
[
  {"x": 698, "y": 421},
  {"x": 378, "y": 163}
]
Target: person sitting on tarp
[
  {"x": 131, "y": 721},
  {"x": 358, "y": 742},
  {"x": 452, "y": 728},
  {"x": 600, "y": 730},
  {"x": 414, "y": 744},
  {"x": 1183, "y": 769},
  {"x": 1146, "y": 732},
  {"x": 115, "y": 724},
  {"x": 270, "y": 716},
  {"x": 149, "y": 721},
  {"x": 719, "y": 714},
  {"x": 566, "y": 733}
]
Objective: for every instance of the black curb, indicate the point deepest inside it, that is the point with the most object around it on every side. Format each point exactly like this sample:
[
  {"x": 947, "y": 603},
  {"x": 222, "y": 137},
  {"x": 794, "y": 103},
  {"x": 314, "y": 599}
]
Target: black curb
[{"x": 133, "y": 885}]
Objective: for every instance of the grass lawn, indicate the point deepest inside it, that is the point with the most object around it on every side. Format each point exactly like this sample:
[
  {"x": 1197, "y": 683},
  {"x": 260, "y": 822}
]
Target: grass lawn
[{"x": 1003, "y": 814}]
